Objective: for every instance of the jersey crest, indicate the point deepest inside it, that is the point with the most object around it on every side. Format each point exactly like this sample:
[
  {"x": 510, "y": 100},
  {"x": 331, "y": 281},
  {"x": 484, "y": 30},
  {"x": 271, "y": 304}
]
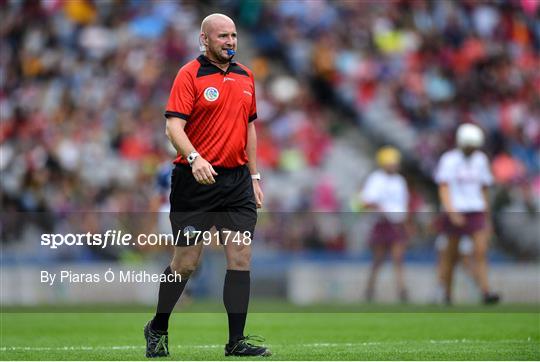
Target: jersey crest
[{"x": 211, "y": 94}]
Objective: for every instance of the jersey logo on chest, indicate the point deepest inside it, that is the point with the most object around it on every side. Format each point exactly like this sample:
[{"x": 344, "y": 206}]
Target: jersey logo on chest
[{"x": 211, "y": 94}]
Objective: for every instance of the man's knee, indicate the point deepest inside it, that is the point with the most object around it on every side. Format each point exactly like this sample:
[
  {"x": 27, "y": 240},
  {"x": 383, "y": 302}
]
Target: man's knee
[
  {"x": 184, "y": 269},
  {"x": 185, "y": 264}
]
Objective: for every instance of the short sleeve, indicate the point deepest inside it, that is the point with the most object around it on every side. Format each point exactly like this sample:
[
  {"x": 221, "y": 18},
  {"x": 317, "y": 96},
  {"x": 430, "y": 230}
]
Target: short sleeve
[
  {"x": 444, "y": 172},
  {"x": 253, "y": 109},
  {"x": 370, "y": 191},
  {"x": 182, "y": 96}
]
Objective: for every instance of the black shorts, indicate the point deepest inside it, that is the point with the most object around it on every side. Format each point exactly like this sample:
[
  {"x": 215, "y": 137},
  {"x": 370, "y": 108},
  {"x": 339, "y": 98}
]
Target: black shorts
[{"x": 228, "y": 204}]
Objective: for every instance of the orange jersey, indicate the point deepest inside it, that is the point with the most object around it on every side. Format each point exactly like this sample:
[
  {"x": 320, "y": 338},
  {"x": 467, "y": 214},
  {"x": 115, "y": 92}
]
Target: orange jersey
[{"x": 217, "y": 106}]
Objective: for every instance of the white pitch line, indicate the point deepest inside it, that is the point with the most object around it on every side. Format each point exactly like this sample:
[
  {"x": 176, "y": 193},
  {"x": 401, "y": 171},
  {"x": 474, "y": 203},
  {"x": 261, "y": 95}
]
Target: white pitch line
[{"x": 215, "y": 346}]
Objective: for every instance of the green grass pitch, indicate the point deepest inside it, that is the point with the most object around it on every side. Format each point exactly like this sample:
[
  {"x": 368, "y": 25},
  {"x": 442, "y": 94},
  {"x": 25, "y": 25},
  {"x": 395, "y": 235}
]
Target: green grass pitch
[{"x": 387, "y": 333}]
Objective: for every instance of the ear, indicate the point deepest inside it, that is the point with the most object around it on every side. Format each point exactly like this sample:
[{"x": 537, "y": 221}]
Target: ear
[
  {"x": 204, "y": 39},
  {"x": 202, "y": 47}
]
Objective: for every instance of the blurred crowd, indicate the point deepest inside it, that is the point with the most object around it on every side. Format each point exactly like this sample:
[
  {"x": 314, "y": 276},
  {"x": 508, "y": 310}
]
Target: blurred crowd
[
  {"x": 436, "y": 64},
  {"x": 442, "y": 63},
  {"x": 83, "y": 91},
  {"x": 83, "y": 86}
]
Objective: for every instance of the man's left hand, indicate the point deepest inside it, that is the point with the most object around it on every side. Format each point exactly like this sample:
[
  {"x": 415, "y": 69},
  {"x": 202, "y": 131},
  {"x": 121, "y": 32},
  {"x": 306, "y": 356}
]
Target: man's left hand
[{"x": 259, "y": 196}]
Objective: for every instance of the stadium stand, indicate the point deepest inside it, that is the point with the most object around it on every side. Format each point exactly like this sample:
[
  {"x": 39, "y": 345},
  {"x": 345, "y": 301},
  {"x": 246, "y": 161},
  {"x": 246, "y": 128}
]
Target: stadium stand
[{"x": 83, "y": 88}]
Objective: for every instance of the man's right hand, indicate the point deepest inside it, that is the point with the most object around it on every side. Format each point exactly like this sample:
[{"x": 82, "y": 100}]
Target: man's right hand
[{"x": 203, "y": 171}]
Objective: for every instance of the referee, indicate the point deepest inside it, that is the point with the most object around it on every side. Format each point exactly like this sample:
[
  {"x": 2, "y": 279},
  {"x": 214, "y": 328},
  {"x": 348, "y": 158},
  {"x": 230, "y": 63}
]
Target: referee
[{"x": 215, "y": 182}]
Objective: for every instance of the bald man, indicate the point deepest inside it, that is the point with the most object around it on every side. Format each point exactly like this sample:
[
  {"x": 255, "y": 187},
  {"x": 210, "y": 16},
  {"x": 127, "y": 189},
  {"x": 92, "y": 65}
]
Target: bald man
[{"x": 215, "y": 189}]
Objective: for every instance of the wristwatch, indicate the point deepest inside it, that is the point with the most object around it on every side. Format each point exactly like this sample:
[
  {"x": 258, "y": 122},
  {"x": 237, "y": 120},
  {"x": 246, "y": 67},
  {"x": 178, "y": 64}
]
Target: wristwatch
[
  {"x": 256, "y": 176},
  {"x": 192, "y": 156}
]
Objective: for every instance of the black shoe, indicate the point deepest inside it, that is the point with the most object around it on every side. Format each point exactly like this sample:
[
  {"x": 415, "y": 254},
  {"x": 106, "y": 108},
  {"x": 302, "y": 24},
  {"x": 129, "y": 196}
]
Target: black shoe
[
  {"x": 242, "y": 348},
  {"x": 491, "y": 298},
  {"x": 157, "y": 342}
]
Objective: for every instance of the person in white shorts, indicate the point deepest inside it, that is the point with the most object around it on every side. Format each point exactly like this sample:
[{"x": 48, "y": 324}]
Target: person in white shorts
[
  {"x": 385, "y": 192},
  {"x": 464, "y": 176}
]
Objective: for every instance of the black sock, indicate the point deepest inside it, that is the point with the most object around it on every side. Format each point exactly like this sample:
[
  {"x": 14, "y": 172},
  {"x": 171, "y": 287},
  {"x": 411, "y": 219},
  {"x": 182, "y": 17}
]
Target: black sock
[
  {"x": 236, "y": 300},
  {"x": 170, "y": 291}
]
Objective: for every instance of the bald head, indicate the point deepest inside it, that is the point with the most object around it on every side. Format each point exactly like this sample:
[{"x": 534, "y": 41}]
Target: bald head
[
  {"x": 218, "y": 35},
  {"x": 215, "y": 20}
]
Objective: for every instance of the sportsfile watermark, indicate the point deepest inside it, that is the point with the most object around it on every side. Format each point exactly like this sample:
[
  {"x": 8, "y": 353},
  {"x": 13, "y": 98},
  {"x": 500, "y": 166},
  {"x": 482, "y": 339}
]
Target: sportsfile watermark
[{"x": 187, "y": 236}]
